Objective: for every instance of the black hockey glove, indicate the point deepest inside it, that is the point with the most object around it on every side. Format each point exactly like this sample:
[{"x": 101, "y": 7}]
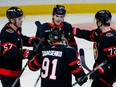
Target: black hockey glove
[
  {"x": 81, "y": 80},
  {"x": 40, "y": 30},
  {"x": 102, "y": 71},
  {"x": 95, "y": 76},
  {"x": 31, "y": 54}
]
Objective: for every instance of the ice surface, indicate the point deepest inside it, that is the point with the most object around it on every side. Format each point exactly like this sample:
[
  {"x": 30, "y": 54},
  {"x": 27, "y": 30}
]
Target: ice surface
[{"x": 28, "y": 78}]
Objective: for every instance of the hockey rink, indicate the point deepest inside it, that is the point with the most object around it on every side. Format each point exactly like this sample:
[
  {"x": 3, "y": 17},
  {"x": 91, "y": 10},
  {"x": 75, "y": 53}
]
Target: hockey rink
[{"x": 28, "y": 78}]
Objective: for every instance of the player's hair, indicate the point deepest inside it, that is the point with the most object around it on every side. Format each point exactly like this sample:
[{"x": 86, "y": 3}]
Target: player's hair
[
  {"x": 14, "y": 12},
  {"x": 59, "y": 9},
  {"x": 104, "y": 16}
]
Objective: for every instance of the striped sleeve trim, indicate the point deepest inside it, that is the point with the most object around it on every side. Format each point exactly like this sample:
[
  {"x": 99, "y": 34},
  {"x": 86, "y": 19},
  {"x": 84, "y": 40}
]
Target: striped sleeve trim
[
  {"x": 73, "y": 63},
  {"x": 76, "y": 70}
]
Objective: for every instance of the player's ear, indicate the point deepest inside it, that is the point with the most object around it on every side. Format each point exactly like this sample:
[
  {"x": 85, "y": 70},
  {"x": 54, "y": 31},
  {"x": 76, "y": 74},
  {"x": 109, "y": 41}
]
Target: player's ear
[
  {"x": 12, "y": 21},
  {"x": 99, "y": 23}
]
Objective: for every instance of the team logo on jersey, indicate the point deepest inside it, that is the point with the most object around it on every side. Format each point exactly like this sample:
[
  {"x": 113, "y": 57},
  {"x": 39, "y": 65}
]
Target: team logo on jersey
[
  {"x": 109, "y": 34},
  {"x": 95, "y": 50},
  {"x": 9, "y": 30}
]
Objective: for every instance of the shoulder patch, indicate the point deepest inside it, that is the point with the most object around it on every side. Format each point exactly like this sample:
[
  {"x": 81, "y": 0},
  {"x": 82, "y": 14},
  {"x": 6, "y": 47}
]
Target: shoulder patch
[
  {"x": 109, "y": 34},
  {"x": 9, "y": 30}
]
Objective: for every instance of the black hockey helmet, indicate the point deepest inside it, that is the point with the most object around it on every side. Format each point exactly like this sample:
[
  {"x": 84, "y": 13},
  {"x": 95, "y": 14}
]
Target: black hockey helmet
[
  {"x": 103, "y": 16},
  {"x": 59, "y": 9},
  {"x": 14, "y": 12},
  {"x": 56, "y": 35}
]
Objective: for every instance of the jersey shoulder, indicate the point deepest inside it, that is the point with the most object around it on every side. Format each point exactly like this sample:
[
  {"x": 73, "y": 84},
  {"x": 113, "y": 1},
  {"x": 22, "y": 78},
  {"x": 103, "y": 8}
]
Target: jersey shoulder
[
  {"x": 46, "y": 26},
  {"x": 6, "y": 31},
  {"x": 110, "y": 34},
  {"x": 7, "y": 28},
  {"x": 69, "y": 49},
  {"x": 67, "y": 27},
  {"x": 67, "y": 24},
  {"x": 109, "y": 37}
]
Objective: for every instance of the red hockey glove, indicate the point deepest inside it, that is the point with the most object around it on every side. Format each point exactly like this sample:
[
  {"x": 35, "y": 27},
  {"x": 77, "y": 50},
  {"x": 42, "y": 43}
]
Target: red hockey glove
[
  {"x": 25, "y": 53},
  {"x": 33, "y": 40},
  {"x": 28, "y": 54}
]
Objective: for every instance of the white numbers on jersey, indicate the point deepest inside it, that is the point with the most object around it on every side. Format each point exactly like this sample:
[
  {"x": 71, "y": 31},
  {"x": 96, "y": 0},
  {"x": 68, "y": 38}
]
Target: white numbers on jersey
[
  {"x": 46, "y": 66},
  {"x": 112, "y": 51},
  {"x": 7, "y": 46}
]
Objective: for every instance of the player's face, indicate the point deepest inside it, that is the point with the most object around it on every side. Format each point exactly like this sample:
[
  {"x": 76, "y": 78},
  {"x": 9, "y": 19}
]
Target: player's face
[
  {"x": 19, "y": 21},
  {"x": 58, "y": 19}
]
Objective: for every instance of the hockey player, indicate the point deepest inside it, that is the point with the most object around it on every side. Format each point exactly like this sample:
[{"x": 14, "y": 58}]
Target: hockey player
[
  {"x": 12, "y": 41},
  {"x": 105, "y": 39},
  {"x": 58, "y": 15},
  {"x": 57, "y": 63}
]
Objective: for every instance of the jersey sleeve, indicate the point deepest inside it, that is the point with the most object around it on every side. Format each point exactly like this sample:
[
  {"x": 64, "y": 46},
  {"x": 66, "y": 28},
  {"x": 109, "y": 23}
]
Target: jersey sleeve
[
  {"x": 90, "y": 35},
  {"x": 74, "y": 63},
  {"x": 35, "y": 63},
  {"x": 69, "y": 36},
  {"x": 25, "y": 40},
  {"x": 11, "y": 45}
]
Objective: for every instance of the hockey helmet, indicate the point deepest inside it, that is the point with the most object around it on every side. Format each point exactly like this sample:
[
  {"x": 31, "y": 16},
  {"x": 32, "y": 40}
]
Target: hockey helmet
[
  {"x": 56, "y": 35},
  {"x": 103, "y": 16},
  {"x": 14, "y": 12},
  {"x": 59, "y": 9}
]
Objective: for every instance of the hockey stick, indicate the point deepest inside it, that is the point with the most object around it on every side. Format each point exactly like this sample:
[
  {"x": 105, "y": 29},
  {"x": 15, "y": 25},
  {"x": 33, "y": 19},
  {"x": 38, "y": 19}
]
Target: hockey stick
[
  {"x": 15, "y": 82},
  {"x": 82, "y": 57},
  {"x": 37, "y": 46},
  {"x": 39, "y": 33},
  {"x": 96, "y": 68},
  {"x": 37, "y": 80}
]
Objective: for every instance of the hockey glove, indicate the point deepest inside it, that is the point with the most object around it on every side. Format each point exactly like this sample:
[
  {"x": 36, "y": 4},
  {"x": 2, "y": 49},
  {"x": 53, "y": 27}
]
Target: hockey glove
[
  {"x": 25, "y": 53},
  {"x": 28, "y": 54},
  {"x": 33, "y": 41},
  {"x": 31, "y": 54},
  {"x": 98, "y": 73},
  {"x": 95, "y": 76},
  {"x": 102, "y": 75},
  {"x": 81, "y": 80},
  {"x": 105, "y": 70}
]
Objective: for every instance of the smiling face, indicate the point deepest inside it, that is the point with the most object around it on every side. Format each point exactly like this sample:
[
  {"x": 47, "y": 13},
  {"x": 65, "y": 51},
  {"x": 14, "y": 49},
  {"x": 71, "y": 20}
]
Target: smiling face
[
  {"x": 17, "y": 21},
  {"x": 58, "y": 19}
]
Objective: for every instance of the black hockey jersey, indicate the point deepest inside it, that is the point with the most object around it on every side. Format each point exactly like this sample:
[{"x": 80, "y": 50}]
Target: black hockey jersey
[
  {"x": 106, "y": 50},
  {"x": 106, "y": 42},
  {"x": 66, "y": 27},
  {"x": 57, "y": 63},
  {"x": 12, "y": 53}
]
